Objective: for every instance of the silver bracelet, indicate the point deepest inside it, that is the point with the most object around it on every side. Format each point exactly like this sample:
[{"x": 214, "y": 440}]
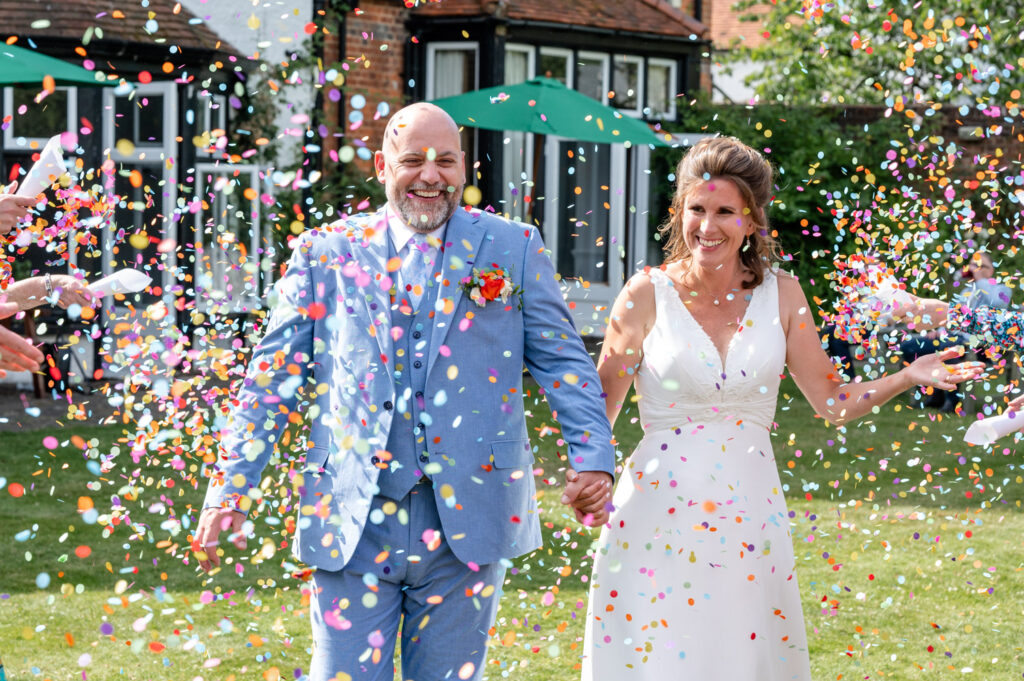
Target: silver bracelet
[{"x": 48, "y": 283}]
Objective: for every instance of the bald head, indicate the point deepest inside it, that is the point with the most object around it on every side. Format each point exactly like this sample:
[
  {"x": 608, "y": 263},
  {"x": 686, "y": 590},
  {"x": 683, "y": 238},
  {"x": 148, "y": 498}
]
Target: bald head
[
  {"x": 420, "y": 114},
  {"x": 421, "y": 165}
]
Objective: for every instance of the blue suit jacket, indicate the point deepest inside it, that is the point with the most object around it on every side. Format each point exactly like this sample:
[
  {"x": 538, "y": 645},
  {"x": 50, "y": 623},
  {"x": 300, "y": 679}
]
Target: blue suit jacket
[{"x": 329, "y": 333}]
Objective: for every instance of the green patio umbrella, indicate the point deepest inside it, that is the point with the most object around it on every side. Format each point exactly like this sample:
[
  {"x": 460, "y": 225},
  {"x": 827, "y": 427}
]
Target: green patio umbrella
[
  {"x": 544, "y": 106},
  {"x": 22, "y": 66}
]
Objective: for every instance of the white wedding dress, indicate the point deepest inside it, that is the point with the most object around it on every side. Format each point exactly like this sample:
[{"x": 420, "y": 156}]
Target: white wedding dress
[{"x": 693, "y": 577}]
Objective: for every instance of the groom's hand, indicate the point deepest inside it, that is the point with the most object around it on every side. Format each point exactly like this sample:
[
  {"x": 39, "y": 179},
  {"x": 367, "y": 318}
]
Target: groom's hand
[
  {"x": 589, "y": 493},
  {"x": 213, "y": 521}
]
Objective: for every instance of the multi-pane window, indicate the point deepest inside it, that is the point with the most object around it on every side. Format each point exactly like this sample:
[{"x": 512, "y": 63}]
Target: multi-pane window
[
  {"x": 627, "y": 77},
  {"x": 661, "y": 88},
  {"x": 591, "y": 70},
  {"x": 33, "y": 122},
  {"x": 557, "y": 64}
]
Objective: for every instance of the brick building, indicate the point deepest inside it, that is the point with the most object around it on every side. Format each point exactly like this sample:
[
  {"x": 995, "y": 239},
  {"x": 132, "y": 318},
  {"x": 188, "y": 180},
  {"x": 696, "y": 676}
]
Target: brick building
[{"x": 638, "y": 56}]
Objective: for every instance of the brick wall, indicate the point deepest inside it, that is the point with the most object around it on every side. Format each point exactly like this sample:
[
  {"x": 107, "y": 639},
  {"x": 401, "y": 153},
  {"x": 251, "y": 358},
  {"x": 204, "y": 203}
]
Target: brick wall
[
  {"x": 726, "y": 27},
  {"x": 376, "y": 73}
]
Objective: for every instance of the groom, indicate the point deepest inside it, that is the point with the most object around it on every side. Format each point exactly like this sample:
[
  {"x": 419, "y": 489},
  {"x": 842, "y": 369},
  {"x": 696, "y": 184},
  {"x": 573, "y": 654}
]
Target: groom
[{"x": 408, "y": 330}]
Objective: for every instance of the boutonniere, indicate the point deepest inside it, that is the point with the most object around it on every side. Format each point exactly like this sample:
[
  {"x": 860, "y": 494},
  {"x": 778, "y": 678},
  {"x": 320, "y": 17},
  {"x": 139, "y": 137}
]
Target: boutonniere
[{"x": 487, "y": 285}]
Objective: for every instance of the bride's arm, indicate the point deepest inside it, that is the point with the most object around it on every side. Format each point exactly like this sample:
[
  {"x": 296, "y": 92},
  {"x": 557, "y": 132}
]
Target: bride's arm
[
  {"x": 630, "y": 321},
  {"x": 819, "y": 381}
]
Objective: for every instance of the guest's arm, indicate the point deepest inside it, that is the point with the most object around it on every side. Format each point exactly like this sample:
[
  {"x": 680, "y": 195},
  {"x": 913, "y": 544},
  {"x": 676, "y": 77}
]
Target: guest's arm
[{"x": 33, "y": 292}]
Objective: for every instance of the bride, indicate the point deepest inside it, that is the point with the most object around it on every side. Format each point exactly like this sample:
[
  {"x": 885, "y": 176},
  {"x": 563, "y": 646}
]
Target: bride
[{"x": 693, "y": 575}]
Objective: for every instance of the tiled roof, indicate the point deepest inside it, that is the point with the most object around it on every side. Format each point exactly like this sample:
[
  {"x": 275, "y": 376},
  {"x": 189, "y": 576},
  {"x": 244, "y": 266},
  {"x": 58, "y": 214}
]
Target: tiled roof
[
  {"x": 120, "y": 21},
  {"x": 629, "y": 16}
]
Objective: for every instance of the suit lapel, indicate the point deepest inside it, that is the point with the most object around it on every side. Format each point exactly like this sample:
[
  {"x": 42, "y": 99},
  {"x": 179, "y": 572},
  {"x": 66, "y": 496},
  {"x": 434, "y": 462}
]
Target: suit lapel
[
  {"x": 375, "y": 251},
  {"x": 462, "y": 243}
]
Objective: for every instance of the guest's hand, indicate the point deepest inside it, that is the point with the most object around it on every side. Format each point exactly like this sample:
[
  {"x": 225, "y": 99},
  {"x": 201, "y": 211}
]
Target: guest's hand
[
  {"x": 13, "y": 209},
  {"x": 213, "y": 521},
  {"x": 71, "y": 291},
  {"x": 588, "y": 493},
  {"x": 1017, "y": 403},
  {"x": 932, "y": 370},
  {"x": 17, "y": 354},
  {"x": 921, "y": 314}
]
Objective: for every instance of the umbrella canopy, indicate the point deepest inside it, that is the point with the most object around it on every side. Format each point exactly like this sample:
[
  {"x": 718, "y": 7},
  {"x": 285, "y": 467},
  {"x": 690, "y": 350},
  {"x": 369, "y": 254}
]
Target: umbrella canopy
[
  {"x": 22, "y": 66},
  {"x": 545, "y": 106}
]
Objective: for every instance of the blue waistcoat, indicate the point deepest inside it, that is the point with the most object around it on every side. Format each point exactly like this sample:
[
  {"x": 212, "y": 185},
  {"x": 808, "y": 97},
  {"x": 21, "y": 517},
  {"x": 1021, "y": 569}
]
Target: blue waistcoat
[{"x": 410, "y": 456}]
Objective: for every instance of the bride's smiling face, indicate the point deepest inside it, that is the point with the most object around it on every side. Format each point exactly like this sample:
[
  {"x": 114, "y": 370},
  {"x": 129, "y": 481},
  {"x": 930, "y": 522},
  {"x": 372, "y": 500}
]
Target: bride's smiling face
[{"x": 716, "y": 221}]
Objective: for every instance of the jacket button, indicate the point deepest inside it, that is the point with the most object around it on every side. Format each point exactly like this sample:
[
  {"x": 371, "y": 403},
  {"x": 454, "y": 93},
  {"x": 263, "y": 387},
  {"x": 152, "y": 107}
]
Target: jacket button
[
  {"x": 388, "y": 405},
  {"x": 417, "y": 364},
  {"x": 424, "y": 457},
  {"x": 375, "y": 460},
  {"x": 420, "y": 425},
  {"x": 419, "y": 393},
  {"x": 416, "y": 334}
]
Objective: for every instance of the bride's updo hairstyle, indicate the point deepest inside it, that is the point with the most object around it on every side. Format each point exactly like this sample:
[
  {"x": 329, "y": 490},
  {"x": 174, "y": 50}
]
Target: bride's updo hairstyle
[{"x": 730, "y": 159}]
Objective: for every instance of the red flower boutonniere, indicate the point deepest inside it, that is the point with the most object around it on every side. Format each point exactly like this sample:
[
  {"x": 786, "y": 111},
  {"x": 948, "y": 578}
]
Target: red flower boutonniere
[{"x": 487, "y": 285}]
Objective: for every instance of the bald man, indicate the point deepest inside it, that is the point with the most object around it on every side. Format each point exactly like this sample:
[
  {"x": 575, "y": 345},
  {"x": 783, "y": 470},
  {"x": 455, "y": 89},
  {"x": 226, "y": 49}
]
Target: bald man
[{"x": 408, "y": 330}]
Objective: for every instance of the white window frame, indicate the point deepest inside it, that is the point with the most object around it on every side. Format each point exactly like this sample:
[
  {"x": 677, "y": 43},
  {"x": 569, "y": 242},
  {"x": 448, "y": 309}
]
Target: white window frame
[
  {"x": 531, "y": 57},
  {"x": 204, "y": 120},
  {"x": 673, "y": 78},
  {"x": 570, "y": 66},
  {"x": 528, "y": 141},
  {"x": 434, "y": 48},
  {"x": 253, "y": 298},
  {"x": 638, "y": 110},
  {"x": 20, "y": 142},
  {"x": 605, "y": 60},
  {"x": 152, "y": 155}
]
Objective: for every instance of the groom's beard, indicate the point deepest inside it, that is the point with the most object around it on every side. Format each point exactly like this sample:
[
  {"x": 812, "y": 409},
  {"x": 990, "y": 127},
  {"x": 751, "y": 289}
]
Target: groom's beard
[{"x": 425, "y": 216}]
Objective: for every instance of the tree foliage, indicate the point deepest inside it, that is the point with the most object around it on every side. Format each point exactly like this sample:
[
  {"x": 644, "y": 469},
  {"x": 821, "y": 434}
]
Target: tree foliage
[{"x": 869, "y": 52}]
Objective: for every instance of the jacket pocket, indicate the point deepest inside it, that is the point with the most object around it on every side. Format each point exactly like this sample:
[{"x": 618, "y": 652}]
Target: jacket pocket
[
  {"x": 512, "y": 454},
  {"x": 316, "y": 460}
]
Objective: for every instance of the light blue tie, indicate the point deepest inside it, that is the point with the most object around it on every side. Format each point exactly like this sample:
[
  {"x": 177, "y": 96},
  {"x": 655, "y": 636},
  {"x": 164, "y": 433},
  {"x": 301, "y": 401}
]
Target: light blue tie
[{"x": 417, "y": 264}]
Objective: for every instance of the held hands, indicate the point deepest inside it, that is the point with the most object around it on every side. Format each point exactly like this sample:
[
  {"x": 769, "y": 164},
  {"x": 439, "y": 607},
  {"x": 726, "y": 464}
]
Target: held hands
[
  {"x": 213, "y": 521},
  {"x": 932, "y": 370},
  {"x": 589, "y": 493}
]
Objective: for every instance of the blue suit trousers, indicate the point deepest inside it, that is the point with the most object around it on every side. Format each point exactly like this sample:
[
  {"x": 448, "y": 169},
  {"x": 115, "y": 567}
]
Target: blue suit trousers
[{"x": 403, "y": 575}]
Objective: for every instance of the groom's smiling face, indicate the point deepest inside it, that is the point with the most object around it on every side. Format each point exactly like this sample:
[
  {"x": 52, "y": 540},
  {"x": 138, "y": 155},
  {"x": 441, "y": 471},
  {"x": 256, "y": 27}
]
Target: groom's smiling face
[{"x": 422, "y": 166}]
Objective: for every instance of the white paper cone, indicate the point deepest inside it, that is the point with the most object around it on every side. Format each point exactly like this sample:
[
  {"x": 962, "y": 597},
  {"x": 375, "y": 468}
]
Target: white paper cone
[
  {"x": 122, "y": 281},
  {"x": 987, "y": 431},
  {"x": 46, "y": 170}
]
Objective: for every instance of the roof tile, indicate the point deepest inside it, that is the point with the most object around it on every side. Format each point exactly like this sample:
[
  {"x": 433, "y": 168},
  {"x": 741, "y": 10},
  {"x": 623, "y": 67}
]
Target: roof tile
[
  {"x": 120, "y": 21},
  {"x": 634, "y": 16}
]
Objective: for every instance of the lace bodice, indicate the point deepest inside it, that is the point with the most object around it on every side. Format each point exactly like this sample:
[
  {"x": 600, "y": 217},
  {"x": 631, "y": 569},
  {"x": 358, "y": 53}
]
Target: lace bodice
[{"x": 682, "y": 379}]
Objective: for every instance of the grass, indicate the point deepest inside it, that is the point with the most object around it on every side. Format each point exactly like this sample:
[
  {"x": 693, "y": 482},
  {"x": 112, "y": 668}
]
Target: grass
[{"x": 910, "y": 548}]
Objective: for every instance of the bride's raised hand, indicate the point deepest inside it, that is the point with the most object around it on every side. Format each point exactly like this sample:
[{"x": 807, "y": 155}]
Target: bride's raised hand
[{"x": 932, "y": 370}]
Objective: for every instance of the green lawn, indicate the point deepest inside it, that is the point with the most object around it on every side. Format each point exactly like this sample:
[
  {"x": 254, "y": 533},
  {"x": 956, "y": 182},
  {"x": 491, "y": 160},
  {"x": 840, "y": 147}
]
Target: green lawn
[{"x": 910, "y": 548}]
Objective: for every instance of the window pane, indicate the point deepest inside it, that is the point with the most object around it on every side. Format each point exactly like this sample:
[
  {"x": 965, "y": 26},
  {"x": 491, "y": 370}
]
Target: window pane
[
  {"x": 136, "y": 215},
  {"x": 45, "y": 119},
  {"x": 626, "y": 84},
  {"x": 150, "y": 119},
  {"x": 584, "y": 217},
  {"x": 591, "y": 78},
  {"x": 454, "y": 72},
  {"x": 517, "y": 67},
  {"x": 230, "y": 278},
  {"x": 554, "y": 66},
  {"x": 140, "y": 119},
  {"x": 659, "y": 89}
]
